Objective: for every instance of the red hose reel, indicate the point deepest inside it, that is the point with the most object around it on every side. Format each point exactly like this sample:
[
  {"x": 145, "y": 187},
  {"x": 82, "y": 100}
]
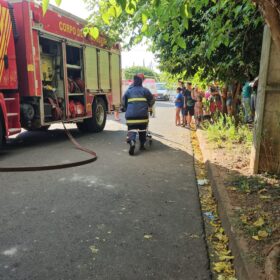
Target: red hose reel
[{"x": 76, "y": 109}]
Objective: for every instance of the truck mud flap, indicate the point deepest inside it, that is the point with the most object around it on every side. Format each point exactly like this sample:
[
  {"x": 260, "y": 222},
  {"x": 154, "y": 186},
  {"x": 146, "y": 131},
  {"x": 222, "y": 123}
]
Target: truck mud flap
[{"x": 58, "y": 166}]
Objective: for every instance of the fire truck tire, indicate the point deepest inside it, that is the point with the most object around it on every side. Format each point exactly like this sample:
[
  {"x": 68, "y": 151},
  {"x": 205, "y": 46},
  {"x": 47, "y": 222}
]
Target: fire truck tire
[
  {"x": 82, "y": 126},
  {"x": 98, "y": 120},
  {"x": 44, "y": 128}
]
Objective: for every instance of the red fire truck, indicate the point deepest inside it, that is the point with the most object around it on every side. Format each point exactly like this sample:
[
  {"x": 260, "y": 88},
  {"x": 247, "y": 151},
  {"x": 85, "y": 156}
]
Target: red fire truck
[{"x": 50, "y": 72}]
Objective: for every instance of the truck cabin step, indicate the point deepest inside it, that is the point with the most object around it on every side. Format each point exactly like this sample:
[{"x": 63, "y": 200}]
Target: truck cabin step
[
  {"x": 12, "y": 114},
  {"x": 14, "y": 130}
]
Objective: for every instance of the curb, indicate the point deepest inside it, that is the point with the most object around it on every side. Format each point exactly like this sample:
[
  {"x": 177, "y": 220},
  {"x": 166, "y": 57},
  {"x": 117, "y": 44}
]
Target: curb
[{"x": 245, "y": 270}]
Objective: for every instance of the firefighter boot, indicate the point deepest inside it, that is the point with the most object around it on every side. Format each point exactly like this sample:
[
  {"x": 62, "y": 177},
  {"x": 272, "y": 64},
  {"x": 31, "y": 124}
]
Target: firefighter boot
[
  {"x": 142, "y": 147},
  {"x": 132, "y": 147}
]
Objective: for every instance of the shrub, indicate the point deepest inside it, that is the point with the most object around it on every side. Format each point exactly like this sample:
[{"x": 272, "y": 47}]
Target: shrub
[{"x": 225, "y": 131}]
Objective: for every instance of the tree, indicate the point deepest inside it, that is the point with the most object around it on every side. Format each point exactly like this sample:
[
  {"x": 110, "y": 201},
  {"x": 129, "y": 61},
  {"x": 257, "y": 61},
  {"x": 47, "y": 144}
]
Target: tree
[
  {"x": 131, "y": 71},
  {"x": 271, "y": 12},
  {"x": 156, "y": 14},
  {"x": 239, "y": 27}
]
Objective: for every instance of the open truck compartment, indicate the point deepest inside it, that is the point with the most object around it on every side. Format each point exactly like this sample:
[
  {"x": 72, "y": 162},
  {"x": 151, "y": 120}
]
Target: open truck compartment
[{"x": 61, "y": 74}]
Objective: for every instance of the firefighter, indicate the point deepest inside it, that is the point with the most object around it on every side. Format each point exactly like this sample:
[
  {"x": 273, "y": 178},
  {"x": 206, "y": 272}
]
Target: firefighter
[{"x": 136, "y": 102}]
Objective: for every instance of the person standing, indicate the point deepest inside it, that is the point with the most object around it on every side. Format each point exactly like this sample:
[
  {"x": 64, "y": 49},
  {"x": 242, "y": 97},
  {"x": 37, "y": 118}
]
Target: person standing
[
  {"x": 246, "y": 100},
  {"x": 136, "y": 102},
  {"x": 198, "y": 111},
  {"x": 189, "y": 102},
  {"x": 254, "y": 86},
  {"x": 116, "y": 112},
  {"x": 179, "y": 105},
  {"x": 181, "y": 84}
]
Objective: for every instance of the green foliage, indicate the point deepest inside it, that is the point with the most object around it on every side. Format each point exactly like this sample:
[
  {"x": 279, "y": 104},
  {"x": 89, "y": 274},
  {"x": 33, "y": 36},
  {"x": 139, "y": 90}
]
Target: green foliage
[
  {"x": 225, "y": 47},
  {"x": 131, "y": 71},
  {"x": 221, "y": 37},
  {"x": 199, "y": 79},
  {"x": 45, "y": 5},
  {"x": 91, "y": 31},
  {"x": 170, "y": 80},
  {"x": 224, "y": 132}
]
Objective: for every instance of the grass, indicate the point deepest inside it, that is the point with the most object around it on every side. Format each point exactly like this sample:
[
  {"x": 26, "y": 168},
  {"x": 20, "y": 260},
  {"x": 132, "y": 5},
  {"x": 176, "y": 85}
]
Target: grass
[
  {"x": 224, "y": 132},
  {"x": 248, "y": 184}
]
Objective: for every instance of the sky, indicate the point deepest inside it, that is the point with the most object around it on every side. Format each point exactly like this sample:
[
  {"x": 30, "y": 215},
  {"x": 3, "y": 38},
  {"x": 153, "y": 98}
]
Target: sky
[{"x": 137, "y": 56}]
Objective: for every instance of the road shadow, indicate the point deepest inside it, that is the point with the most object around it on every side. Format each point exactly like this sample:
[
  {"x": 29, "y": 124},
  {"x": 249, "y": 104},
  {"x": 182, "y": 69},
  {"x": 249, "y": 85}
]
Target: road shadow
[{"x": 54, "y": 146}]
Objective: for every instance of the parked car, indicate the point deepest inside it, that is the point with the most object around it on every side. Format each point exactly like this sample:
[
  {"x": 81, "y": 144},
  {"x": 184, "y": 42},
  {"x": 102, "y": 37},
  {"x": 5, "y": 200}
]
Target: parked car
[
  {"x": 162, "y": 93},
  {"x": 172, "y": 95}
]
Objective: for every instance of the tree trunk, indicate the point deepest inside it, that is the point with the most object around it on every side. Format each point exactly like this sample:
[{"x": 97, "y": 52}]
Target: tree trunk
[{"x": 271, "y": 13}]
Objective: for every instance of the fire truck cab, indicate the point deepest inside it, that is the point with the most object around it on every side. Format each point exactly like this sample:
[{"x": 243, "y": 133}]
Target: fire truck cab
[{"x": 50, "y": 72}]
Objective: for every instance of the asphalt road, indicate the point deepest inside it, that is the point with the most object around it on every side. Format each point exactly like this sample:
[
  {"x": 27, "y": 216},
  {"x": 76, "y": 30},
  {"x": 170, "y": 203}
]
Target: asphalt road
[{"x": 120, "y": 217}]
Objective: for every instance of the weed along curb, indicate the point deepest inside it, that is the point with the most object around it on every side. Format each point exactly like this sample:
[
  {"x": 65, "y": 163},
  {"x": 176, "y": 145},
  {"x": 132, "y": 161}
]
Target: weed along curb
[{"x": 245, "y": 269}]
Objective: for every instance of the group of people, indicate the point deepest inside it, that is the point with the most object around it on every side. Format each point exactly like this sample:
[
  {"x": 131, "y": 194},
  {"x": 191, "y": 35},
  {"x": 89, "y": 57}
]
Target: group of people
[{"x": 190, "y": 101}]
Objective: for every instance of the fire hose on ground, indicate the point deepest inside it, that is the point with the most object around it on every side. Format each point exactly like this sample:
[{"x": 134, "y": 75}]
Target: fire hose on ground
[{"x": 56, "y": 166}]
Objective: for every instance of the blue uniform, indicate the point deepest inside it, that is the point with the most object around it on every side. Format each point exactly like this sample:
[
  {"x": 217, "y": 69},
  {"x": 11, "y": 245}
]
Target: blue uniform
[{"x": 136, "y": 102}]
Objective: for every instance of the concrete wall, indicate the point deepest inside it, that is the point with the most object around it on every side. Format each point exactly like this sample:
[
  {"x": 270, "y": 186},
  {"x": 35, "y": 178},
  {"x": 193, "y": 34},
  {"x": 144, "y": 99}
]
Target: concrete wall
[{"x": 266, "y": 146}]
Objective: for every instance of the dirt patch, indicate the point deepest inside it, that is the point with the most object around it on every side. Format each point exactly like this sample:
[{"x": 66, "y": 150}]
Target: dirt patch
[{"x": 254, "y": 200}]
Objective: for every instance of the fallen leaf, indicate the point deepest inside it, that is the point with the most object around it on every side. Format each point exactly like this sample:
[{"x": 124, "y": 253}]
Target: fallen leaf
[
  {"x": 256, "y": 237},
  {"x": 263, "y": 233},
  {"x": 221, "y": 237},
  {"x": 244, "y": 219},
  {"x": 226, "y": 258},
  {"x": 222, "y": 267},
  {"x": 265, "y": 196},
  {"x": 213, "y": 224},
  {"x": 148, "y": 236},
  {"x": 222, "y": 277},
  {"x": 262, "y": 191},
  {"x": 93, "y": 249},
  {"x": 259, "y": 222}
]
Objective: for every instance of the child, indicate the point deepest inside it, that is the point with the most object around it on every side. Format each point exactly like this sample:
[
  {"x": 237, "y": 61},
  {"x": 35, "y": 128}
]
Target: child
[
  {"x": 179, "y": 105},
  {"x": 198, "y": 111}
]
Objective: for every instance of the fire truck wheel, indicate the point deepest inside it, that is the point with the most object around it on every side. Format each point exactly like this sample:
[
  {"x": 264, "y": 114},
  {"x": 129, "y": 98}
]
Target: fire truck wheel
[
  {"x": 98, "y": 120},
  {"x": 82, "y": 126},
  {"x": 44, "y": 128}
]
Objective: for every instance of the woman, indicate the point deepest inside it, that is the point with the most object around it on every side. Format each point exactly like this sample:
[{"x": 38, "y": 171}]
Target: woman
[{"x": 179, "y": 101}]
